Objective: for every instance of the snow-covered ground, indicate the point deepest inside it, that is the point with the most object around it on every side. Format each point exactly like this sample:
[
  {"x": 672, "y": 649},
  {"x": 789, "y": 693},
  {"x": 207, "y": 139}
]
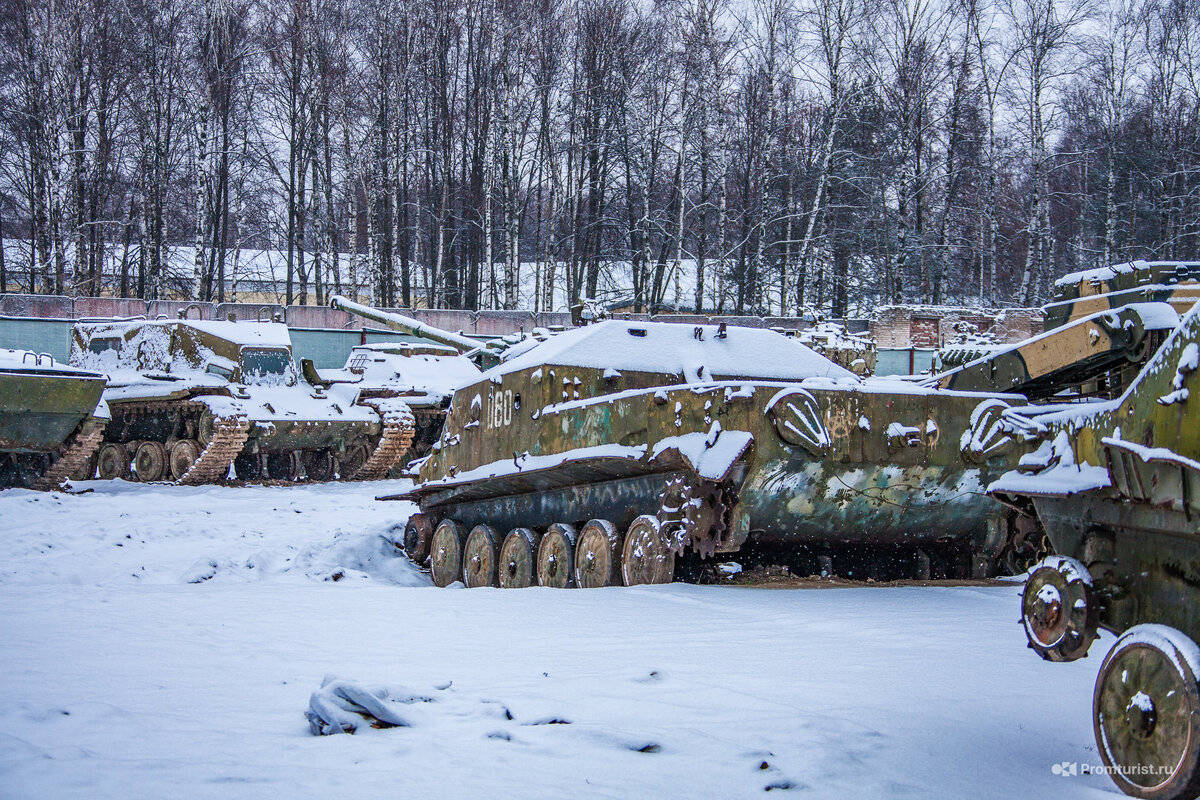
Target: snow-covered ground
[{"x": 160, "y": 641}]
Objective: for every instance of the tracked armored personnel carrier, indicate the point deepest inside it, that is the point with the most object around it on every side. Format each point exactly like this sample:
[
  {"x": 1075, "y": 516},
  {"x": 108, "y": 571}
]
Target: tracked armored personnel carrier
[
  {"x": 423, "y": 375},
  {"x": 607, "y": 452},
  {"x": 190, "y": 398},
  {"x": 51, "y": 419},
  {"x": 1116, "y": 485}
]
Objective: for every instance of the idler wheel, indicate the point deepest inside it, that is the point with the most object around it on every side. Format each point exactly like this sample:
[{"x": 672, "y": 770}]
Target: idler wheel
[
  {"x": 318, "y": 465},
  {"x": 112, "y": 461},
  {"x": 1146, "y": 713},
  {"x": 150, "y": 461},
  {"x": 1058, "y": 609},
  {"x": 646, "y": 557},
  {"x": 206, "y": 427},
  {"x": 445, "y": 552},
  {"x": 417, "y": 534},
  {"x": 183, "y": 454},
  {"x": 352, "y": 460},
  {"x": 283, "y": 466},
  {"x": 517, "y": 557},
  {"x": 556, "y": 556},
  {"x": 479, "y": 557},
  {"x": 598, "y": 555}
]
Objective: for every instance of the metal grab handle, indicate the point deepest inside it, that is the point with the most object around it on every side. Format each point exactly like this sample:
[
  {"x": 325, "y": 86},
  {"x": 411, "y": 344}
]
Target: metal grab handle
[{"x": 37, "y": 358}]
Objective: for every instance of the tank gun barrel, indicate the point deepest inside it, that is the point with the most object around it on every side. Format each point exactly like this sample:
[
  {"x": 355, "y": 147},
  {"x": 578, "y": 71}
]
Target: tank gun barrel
[{"x": 408, "y": 325}]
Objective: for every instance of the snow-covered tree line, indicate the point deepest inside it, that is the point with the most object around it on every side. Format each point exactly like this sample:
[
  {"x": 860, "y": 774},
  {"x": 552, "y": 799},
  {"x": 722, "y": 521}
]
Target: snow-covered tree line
[{"x": 768, "y": 155}]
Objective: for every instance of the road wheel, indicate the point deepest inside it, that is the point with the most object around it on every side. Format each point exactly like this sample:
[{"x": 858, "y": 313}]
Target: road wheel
[
  {"x": 556, "y": 556},
  {"x": 445, "y": 552},
  {"x": 248, "y": 466},
  {"x": 183, "y": 454},
  {"x": 417, "y": 533},
  {"x": 1146, "y": 713},
  {"x": 283, "y": 466},
  {"x": 598, "y": 555},
  {"x": 318, "y": 465},
  {"x": 150, "y": 461},
  {"x": 645, "y": 557},
  {"x": 112, "y": 461},
  {"x": 479, "y": 557},
  {"x": 352, "y": 460},
  {"x": 1059, "y": 609},
  {"x": 518, "y": 556}
]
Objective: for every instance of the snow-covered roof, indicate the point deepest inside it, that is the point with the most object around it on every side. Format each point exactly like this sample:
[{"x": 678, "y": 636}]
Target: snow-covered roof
[
  {"x": 28, "y": 360},
  {"x": 670, "y": 348},
  {"x": 261, "y": 334}
]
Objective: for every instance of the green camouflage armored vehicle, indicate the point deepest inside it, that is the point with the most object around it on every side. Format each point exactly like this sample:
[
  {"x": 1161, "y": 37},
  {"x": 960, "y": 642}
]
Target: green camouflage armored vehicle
[
  {"x": 601, "y": 455},
  {"x": 1082, "y": 294},
  {"x": 1101, "y": 327},
  {"x": 1116, "y": 485},
  {"x": 51, "y": 419},
  {"x": 188, "y": 398}
]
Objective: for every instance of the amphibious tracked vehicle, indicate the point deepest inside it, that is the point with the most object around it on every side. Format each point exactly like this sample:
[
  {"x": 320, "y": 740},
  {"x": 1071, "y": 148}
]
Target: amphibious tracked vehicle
[
  {"x": 190, "y": 398},
  {"x": 1116, "y": 485},
  {"x": 601, "y": 455},
  {"x": 51, "y": 419}
]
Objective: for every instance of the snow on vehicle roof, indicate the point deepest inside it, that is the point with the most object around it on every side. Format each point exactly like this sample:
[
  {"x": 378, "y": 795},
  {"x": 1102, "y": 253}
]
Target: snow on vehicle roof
[
  {"x": 404, "y": 347},
  {"x": 264, "y": 334},
  {"x": 674, "y": 348},
  {"x": 29, "y": 360},
  {"x": 1110, "y": 272}
]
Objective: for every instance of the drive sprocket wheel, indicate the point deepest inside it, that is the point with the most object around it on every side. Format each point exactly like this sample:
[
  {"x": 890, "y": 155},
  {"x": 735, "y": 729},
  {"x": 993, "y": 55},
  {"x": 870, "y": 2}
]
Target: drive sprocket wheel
[
  {"x": 1059, "y": 609},
  {"x": 417, "y": 535},
  {"x": 693, "y": 513}
]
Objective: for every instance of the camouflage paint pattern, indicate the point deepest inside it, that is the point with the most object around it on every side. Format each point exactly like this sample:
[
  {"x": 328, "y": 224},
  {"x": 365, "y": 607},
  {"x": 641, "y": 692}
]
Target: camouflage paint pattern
[{"x": 1091, "y": 291}]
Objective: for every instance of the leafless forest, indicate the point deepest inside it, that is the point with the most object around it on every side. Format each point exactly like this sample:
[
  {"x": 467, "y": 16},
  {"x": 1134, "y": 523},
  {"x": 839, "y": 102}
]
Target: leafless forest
[{"x": 773, "y": 154}]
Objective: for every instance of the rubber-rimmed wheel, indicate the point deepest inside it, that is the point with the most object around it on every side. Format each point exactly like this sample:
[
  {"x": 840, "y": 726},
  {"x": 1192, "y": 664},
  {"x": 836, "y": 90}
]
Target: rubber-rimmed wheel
[
  {"x": 1059, "y": 609},
  {"x": 445, "y": 552},
  {"x": 418, "y": 532},
  {"x": 150, "y": 461},
  {"x": 184, "y": 453},
  {"x": 112, "y": 461},
  {"x": 646, "y": 556},
  {"x": 318, "y": 465},
  {"x": 1146, "y": 713},
  {"x": 598, "y": 555},
  {"x": 518, "y": 556},
  {"x": 283, "y": 466},
  {"x": 556, "y": 556},
  {"x": 352, "y": 460},
  {"x": 479, "y": 557}
]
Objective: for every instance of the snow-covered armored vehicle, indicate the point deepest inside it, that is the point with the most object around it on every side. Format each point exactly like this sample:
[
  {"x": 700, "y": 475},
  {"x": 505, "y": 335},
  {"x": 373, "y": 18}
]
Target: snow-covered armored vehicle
[
  {"x": 854, "y": 351},
  {"x": 51, "y": 419},
  {"x": 423, "y": 375},
  {"x": 1116, "y": 485},
  {"x": 188, "y": 398},
  {"x": 600, "y": 455}
]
